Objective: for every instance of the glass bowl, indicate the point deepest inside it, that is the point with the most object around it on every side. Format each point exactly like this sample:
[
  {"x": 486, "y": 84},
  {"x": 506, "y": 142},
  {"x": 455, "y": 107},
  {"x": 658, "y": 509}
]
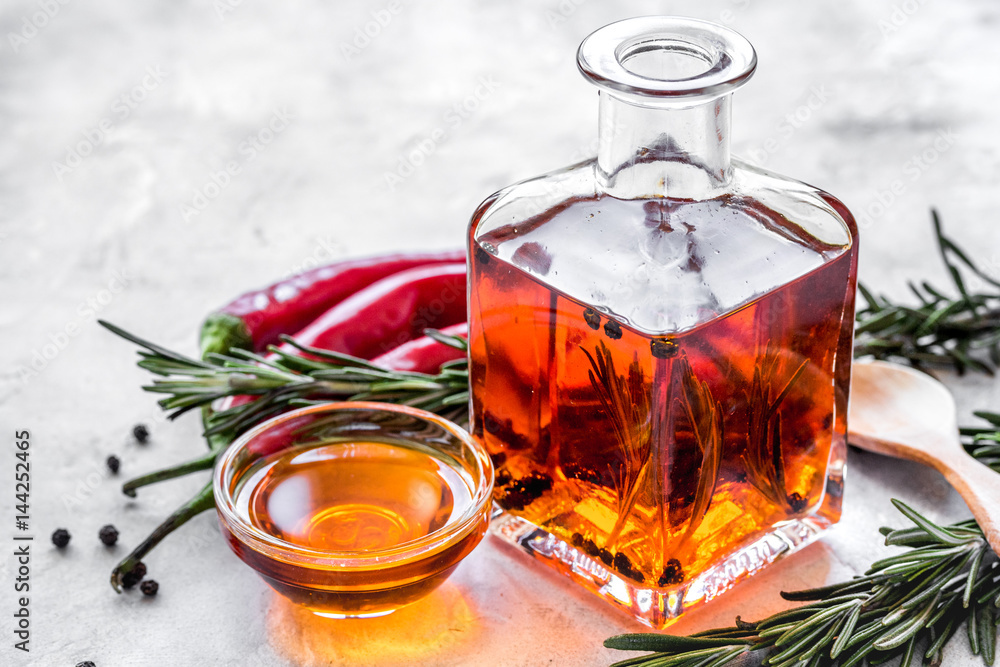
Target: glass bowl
[{"x": 354, "y": 509}]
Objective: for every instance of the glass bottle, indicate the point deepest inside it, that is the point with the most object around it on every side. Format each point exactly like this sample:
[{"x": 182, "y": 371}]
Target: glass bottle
[{"x": 660, "y": 337}]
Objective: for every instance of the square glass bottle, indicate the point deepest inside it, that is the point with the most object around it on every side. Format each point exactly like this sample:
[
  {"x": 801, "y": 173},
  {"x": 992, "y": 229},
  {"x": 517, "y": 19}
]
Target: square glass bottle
[{"x": 660, "y": 337}]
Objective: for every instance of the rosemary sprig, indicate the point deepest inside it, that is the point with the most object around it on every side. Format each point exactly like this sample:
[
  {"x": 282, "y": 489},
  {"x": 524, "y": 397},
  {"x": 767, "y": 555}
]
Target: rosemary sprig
[
  {"x": 907, "y": 605},
  {"x": 962, "y": 332},
  {"x": 705, "y": 414},
  {"x": 282, "y": 381},
  {"x": 763, "y": 458},
  {"x": 983, "y": 443},
  {"x": 627, "y": 404},
  {"x": 290, "y": 379}
]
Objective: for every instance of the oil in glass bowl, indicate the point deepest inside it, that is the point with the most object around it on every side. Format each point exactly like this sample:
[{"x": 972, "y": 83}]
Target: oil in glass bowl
[
  {"x": 354, "y": 496},
  {"x": 358, "y": 522}
]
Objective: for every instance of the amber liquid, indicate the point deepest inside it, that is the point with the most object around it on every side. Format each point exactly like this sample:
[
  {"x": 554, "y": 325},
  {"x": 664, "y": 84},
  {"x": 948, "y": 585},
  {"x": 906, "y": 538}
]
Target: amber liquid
[
  {"x": 659, "y": 455},
  {"x": 357, "y": 497}
]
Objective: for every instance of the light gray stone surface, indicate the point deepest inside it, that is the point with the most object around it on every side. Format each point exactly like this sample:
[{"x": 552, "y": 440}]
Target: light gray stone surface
[{"x": 885, "y": 80}]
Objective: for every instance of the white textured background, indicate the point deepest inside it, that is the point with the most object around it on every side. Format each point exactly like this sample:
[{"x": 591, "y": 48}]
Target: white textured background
[{"x": 885, "y": 79}]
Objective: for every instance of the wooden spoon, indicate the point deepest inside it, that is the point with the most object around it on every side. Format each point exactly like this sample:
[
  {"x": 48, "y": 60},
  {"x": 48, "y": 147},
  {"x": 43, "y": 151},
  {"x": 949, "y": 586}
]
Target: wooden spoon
[{"x": 904, "y": 413}]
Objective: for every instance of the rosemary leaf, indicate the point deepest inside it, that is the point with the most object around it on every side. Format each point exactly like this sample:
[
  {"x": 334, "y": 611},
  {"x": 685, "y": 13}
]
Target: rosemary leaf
[
  {"x": 942, "y": 330},
  {"x": 917, "y": 598}
]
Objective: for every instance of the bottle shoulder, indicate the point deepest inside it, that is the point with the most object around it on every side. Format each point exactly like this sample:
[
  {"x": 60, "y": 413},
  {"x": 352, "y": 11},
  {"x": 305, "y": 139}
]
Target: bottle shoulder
[{"x": 664, "y": 265}]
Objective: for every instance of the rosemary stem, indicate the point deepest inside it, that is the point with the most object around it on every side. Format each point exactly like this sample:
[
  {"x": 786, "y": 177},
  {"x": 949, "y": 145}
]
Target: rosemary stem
[
  {"x": 203, "y": 462},
  {"x": 203, "y": 501}
]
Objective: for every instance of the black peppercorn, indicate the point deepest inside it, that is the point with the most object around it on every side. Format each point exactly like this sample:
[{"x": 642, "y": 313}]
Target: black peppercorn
[
  {"x": 626, "y": 569},
  {"x": 583, "y": 473},
  {"x": 797, "y": 502},
  {"x": 149, "y": 587},
  {"x": 592, "y": 318},
  {"x": 520, "y": 493},
  {"x": 141, "y": 433},
  {"x": 622, "y": 563},
  {"x": 482, "y": 256},
  {"x": 663, "y": 348},
  {"x": 502, "y": 478},
  {"x": 672, "y": 574},
  {"x": 114, "y": 464},
  {"x": 612, "y": 330},
  {"x": 108, "y": 535},
  {"x": 86, "y": 663},
  {"x": 590, "y": 547},
  {"x": 131, "y": 578},
  {"x": 60, "y": 537}
]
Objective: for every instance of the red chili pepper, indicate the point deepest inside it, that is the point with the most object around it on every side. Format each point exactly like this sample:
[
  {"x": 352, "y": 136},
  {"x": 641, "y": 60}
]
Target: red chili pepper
[
  {"x": 256, "y": 319},
  {"x": 424, "y": 354},
  {"x": 277, "y": 437},
  {"x": 392, "y": 311},
  {"x": 420, "y": 355}
]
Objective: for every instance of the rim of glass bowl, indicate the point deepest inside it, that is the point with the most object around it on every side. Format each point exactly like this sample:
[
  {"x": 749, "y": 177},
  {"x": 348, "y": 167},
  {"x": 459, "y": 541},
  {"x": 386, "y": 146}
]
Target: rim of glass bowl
[{"x": 257, "y": 539}]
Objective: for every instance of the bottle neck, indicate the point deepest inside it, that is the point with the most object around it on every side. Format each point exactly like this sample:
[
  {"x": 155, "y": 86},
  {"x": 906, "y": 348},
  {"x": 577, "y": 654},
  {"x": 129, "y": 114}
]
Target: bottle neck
[{"x": 664, "y": 150}]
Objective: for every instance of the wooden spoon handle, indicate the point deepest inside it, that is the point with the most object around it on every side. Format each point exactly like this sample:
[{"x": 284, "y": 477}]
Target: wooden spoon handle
[{"x": 979, "y": 486}]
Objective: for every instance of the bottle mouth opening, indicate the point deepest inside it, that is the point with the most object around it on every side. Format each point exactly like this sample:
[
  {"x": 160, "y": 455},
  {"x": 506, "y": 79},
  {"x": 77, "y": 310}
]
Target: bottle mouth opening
[{"x": 667, "y": 57}]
